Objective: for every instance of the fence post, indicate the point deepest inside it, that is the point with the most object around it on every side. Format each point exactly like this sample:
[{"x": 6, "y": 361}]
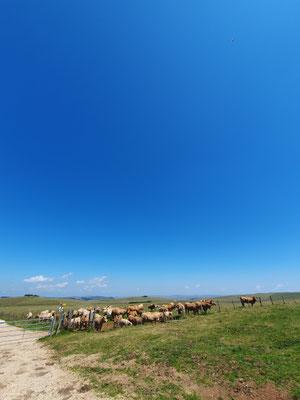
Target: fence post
[
  {"x": 90, "y": 318},
  {"x": 233, "y": 304},
  {"x": 260, "y": 301},
  {"x": 283, "y": 301},
  {"x": 164, "y": 316},
  {"x": 118, "y": 320},
  {"x": 69, "y": 319},
  {"x": 63, "y": 319},
  {"x": 219, "y": 308},
  {"x": 93, "y": 319},
  {"x": 271, "y": 300},
  {"x": 59, "y": 324},
  {"x": 52, "y": 325},
  {"x": 183, "y": 312}
]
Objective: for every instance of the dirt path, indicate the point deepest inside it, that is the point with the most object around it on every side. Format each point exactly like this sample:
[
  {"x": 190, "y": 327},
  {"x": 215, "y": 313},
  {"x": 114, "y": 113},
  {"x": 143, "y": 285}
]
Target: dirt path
[{"x": 28, "y": 371}]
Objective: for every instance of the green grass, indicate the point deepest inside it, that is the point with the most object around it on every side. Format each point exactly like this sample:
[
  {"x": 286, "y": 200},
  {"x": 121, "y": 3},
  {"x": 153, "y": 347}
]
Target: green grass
[{"x": 177, "y": 360}]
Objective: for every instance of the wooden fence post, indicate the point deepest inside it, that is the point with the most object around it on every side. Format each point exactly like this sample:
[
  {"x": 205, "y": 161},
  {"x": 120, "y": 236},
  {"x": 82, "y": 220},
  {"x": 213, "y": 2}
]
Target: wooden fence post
[
  {"x": 201, "y": 308},
  {"x": 283, "y": 301},
  {"x": 118, "y": 320},
  {"x": 52, "y": 325},
  {"x": 164, "y": 316},
  {"x": 58, "y": 325},
  {"x": 90, "y": 319},
  {"x": 219, "y": 308},
  {"x": 271, "y": 300},
  {"x": 233, "y": 304},
  {"x": 70, "y": 312},
  {"x": 260, "y": 301},
  {"x": 93, "y": 319}
]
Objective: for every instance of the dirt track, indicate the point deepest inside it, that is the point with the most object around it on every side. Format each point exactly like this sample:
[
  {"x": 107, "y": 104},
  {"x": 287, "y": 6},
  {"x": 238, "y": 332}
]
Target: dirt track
[{"x": 28, "y": 371}]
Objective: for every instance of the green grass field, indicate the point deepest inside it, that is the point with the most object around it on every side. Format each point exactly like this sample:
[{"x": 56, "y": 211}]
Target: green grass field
[
  {"x": 236, "y": 354},
  {"x": 15, "y": 308}
]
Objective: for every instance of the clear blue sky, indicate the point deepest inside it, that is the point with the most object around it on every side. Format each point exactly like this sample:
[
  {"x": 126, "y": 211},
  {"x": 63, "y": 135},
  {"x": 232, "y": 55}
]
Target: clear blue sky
[{"x": 144, "y": 151}]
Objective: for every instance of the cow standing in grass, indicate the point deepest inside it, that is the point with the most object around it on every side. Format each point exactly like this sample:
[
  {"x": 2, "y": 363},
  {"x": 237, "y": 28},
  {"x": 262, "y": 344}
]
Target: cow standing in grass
[{"x": 249, "y": 300}]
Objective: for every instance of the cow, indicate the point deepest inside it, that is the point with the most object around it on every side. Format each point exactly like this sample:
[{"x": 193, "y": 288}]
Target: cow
[
  {"x": 120, "y": 322},
  {"x": 118, "y": 311},
  {"x": 164, "y": 307},
  {"x": 45, "y": 315},
  {"x": 138, "y": 309},
  {"x": 75, "y": 323},
  {"x": 152, "y": 307},
  {"x": 190, "y": 307},
  {"x": 180, "y": 308},
  {"x": 250, "y": 300},
  {"x": 135, "y": 320},
  {"x": 99, "y": 321},
  {"x": 107, "y": 310},
  {"x": 171, "y": 306},
  {"x": 84, "y": 321},
  {"x": 133, "y": 313},
  {"x": 165, "y": 315},
  {"x": 151, "y": 317},
  {"x": 29, "y": 315}
]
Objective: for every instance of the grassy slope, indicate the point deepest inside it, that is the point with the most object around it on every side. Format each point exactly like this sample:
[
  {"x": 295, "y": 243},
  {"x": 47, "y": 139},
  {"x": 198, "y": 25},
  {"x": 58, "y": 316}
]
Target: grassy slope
[{"x": 254, "y": 344}]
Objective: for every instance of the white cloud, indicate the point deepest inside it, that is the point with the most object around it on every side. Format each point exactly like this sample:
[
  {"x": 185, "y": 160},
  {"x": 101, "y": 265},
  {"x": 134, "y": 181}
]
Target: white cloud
[
  {"x": 61, "y": 285},
  {"x": 278, "y": 286},
  {"x": 257, "y": 287},
  {"x": 65, "y": 276},
  {"x": 98, "y": 281},
  {"x": 57, "y": 285},
  {"x": 39, "y": 278},
  {"x": 187, "y": 287},
  {"x": 198, "y": 285}
]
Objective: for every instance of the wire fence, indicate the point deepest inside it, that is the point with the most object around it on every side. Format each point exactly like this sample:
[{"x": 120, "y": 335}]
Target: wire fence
[{"x": 24, "y": 330}]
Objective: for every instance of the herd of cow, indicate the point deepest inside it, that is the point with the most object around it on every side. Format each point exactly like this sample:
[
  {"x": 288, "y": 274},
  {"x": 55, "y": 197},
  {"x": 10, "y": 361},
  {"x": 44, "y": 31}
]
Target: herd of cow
[{"x": 136, "y": 315}]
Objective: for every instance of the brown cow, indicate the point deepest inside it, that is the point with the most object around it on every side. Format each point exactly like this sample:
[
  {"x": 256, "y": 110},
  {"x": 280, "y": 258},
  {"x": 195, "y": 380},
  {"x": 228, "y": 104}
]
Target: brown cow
[
  {"x": 135, "y": 320},
  {"x": 190, "y": 307},
  {"x": 118, "y": 311},
  {"x": 119, "y": 321},
  {"x": 164, "y": 307},
  {"x": 152, "y": 307},
  {"x": 171, "y": 306},
  {"x": 180, "y": 308},
  {"x": 138, "y": 309},
  {"x": 99, "y": 321},
  {"x": 151, "y": 317},
  {"x": 250, "y": 300}
]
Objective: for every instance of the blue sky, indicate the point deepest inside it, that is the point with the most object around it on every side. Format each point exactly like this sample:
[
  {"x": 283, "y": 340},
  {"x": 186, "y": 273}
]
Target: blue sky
[{"x": 142, "y": 151}]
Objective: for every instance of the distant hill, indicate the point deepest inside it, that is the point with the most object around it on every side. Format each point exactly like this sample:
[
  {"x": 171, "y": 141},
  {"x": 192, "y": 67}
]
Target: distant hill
[{"x": 86, "y": 298}]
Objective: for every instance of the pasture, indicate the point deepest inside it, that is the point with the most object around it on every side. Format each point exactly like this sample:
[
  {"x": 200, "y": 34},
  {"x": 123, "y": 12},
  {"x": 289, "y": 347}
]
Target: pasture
[
  {"x": 15, "y": 308},
  {"x": 250, "y": 352},
  {"x": 237, "y": 353}
]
